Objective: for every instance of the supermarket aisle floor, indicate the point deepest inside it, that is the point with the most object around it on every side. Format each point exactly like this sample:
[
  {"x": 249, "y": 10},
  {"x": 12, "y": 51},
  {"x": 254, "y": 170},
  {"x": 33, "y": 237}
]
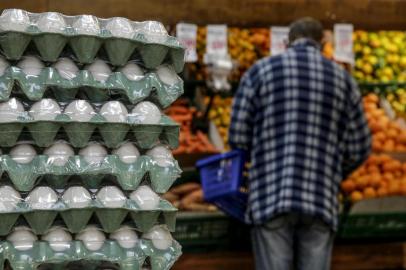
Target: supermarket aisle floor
[{"x": 346, "y": 257}]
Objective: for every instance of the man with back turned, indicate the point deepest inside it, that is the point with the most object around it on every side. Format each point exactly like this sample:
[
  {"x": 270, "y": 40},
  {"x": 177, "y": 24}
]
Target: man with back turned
[{"x": 300, "y": 117}]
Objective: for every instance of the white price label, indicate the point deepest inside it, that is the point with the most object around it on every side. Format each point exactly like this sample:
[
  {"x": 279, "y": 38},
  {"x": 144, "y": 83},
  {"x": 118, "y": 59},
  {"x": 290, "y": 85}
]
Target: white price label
[
  {"x": 343, "y": 43},
  {"x": 216, "y": 40},
  {"x": 279, "y": 39},
  {"x": 187, "y": 35}
]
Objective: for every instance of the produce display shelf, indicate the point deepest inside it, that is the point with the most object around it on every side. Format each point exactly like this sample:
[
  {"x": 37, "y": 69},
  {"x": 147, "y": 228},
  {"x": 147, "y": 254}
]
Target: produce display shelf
[{"x": 201, "y": 231}]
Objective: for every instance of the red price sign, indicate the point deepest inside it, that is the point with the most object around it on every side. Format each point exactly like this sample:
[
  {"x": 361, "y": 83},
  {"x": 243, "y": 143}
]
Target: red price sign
[
  {"x": 187, "y": 34},
  {"x": 216, "y": 39}
]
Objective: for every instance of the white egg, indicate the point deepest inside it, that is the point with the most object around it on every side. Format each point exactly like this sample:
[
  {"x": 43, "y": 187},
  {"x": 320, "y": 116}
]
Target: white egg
[
  {"x": 132, "y": 71},
  {"x": 94, "y": 153},
  {"x": 167, "y": 75},
  {"x": 87, "y": 25},
  {"x": 161, "y": 237},
  {"x": 10, "y": 110},
  {"x": 154, "y": 31},
  {"x": 22, "y": 238},
  {"x": 114, "y": 111},
  {"x": 52, "y": 22},
  {"x": 120, "y": 27},
  {"x": 46, "y": 109},
  {"x": 80, "y": 111},
  {"x": 58, "y": 238},
  {"x": 145, "y": 198},
  {"x": 125, "y": 237},
  {"x": 31, "y": 65},
  {"x": 3, "y": 65},
  {"x": 127, "y": 153},
  {"x": 9, "y": 198},
  {"x": 42, "y": 198},
  {"x": 100, "y": 70},
  {"x": 14, "y": 20},
  {"x": 23, "y": 153},
  {"x": 161, "y": 155},
  {"x": 59, "y": 153},
  {"x": 111, "y": 197},
  {"x": 77, "y": 197},
  {"x": 147, "y": 113},
  {"x": 92, "y": 237},
  {"x": 66, "y": 68}
]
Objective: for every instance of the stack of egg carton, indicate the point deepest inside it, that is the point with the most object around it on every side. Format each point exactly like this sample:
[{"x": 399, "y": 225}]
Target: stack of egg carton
[{"x": 85, "y": 147}]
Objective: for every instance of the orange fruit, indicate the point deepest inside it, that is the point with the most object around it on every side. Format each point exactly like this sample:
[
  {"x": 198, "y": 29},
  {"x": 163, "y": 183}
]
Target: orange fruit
[
  {"x": 385, "y": 157},
  {"x": 402, "y": 137},
  {"x": 356, "y": 196},
  {"x": 392, "y": 133},
  {"x": 375, "y": 180},
  {"x": 382, "y": 192},
  {"x": 380, "y": 136},
  {"x": 348, "y": 186},
  {"x": 377, "y": 146},
  {"x": 373, "y": 169},
  {"x": 389, "y": 145},
  {"x": 361, "y": 182},
  {"x": 369, "y": 193},
  {"x": 394, "y": 187},
  {"x": 388, "y": 176}
]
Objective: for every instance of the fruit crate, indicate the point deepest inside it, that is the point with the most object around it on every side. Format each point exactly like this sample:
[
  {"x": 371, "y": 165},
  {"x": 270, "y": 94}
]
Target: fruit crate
[
  {"x": 376, "y": 219},
  {"x": 198, "y": 232}
]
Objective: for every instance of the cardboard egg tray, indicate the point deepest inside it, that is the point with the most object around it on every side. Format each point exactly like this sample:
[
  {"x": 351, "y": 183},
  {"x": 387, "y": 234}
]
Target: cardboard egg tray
[
  {"x": 111, "y": 251},
  {"x": 79, "y": 134},
  {"x": 129, "y": 176},
  {"x": 76, "y": 219},
  {"x": 149, "y": 43},
  {"x": 35, "y": 87}
]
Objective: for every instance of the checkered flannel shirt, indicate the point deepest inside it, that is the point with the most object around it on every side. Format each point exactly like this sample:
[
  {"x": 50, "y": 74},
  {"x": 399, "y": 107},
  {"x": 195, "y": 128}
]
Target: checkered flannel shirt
[{"x": 300, "y": 116}]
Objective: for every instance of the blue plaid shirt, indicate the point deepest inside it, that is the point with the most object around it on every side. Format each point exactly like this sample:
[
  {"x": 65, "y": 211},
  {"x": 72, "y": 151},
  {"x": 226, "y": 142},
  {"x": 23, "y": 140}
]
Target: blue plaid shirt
[{"x": 301, "y": 118}]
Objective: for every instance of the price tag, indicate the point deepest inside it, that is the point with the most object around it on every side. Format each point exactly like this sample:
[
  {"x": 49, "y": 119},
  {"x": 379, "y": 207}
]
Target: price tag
[
  {"x": 216, "y": 40},
  {"x": 279, "y": 39},
  {"x": 187, "y": 35},
  {"x": 343, "y": 43}
]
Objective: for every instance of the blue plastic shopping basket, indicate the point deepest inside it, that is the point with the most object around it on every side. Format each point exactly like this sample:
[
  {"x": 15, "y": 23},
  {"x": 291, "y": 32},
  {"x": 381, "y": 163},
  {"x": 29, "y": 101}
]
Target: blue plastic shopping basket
[{"x": 223, "y": 182}]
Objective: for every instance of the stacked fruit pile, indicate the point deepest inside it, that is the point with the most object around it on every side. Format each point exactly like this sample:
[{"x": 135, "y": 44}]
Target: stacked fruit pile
[
  {"x": 244, "y": 45},
  {"x": 397, "y": 100},
  {"x": 388, "y": 136},
  {"x": 220, "y": 114},
  {"x": 189, "y": 142},
  {"x": 379, "y": 176},
  {"x": 380, "y": 56},
  {"x": 91, "y": 195}
]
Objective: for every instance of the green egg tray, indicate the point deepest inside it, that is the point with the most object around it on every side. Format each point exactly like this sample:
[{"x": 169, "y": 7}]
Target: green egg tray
[
  {"x": 129, "y": 176},
  {"x": 149, "y": 50},
  {"x": 79, "y": 134},
  {"x": 127, "y": 259},
  {"x": 35, "y": 87},
  {"x": 76, "y": 219}
]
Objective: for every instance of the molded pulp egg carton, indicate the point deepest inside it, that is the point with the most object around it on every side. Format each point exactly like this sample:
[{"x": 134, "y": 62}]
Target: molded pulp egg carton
[
  {"x": 79, "y": 133},
  {"x": 147, "y": 41},
  {"x": 111, "y": 251},
  {"x": 129, "y": 176},
  {"x": 75, "y": 219},
  {"x": 34, "y": 87}
]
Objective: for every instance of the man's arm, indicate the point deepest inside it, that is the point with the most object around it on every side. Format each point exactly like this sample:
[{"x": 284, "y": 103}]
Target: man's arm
[
  {"x": 243, "y": 113},
  {"x": 357, "y": 137}
]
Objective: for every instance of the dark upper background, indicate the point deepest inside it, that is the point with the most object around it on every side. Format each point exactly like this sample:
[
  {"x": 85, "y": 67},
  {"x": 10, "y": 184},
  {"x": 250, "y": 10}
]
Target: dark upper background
[{"x": 364, "y": 14}]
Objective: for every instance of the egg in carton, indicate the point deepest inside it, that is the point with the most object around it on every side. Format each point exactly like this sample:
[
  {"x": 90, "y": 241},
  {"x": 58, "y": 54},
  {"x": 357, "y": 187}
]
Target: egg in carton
[
  {"x": 79, "y": 120},
  {"x": 97, "y": 81},
  {"x": 110, "y": 206},
  {"x": 58, "y": 165},
  {"x": 121, "y": 38},
  {"x": 59, "y": 247}
]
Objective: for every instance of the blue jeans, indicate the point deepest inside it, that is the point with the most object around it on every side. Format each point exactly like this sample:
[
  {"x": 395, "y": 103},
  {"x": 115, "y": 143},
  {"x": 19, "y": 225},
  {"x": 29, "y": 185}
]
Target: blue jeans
[{"x": 293, "y": 241}]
